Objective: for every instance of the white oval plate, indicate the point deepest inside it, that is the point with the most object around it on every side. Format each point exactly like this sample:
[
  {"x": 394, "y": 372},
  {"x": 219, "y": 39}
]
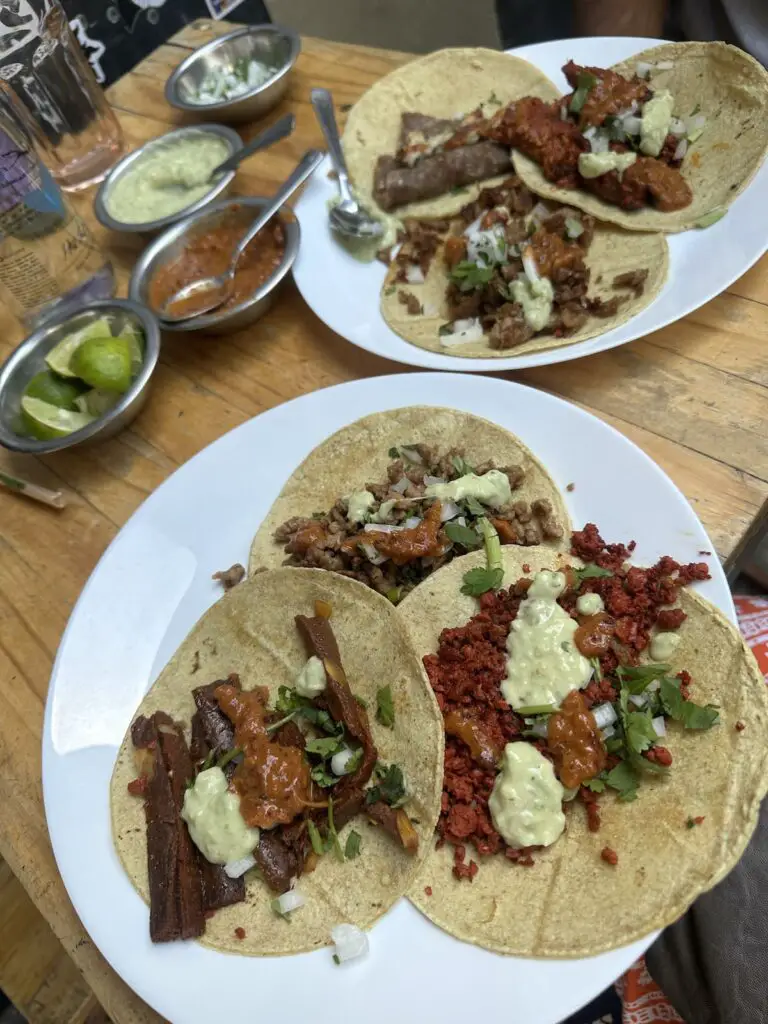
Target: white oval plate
[
  {"x": 152, "y": 584},
  {"x": 345, "y": 293}
]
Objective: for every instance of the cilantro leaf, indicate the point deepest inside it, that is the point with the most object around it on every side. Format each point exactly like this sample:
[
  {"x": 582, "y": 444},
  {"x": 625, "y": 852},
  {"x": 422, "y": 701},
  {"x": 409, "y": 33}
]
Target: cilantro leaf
[
  {"x": 394, "y": 453},
  {"x": 390, "y": 786},
  {"x": 623, "y": 778},
  {"x": 325, "y": 746},
  {"x": 445, "y": 329},
  {"x": 473, "y": 506},
  {"x": 480, "y": 580},
  {"x": 469, "y": 276},
  {"x": 463, "y": 535},
  {"x": 385, "y": 707},
  {"x": 636, "y": 678},
  {"x": 361, "y": 701},
  {"x": 322, "y": 776},
  {"x": 690, "y": 714},
  {"x": 461, "y": 466},
  {"x": 596, "y": 668},
  {"x": 332, "y": 843},
  {"x": 352, "y": 847},
  {"x": 597, "y": 785},
  {"x": 585, "y": 81},
  {"x": 354, "y": 762},
  {"x": 592, "y": 572},
  {"x": 639, "y": 733}
]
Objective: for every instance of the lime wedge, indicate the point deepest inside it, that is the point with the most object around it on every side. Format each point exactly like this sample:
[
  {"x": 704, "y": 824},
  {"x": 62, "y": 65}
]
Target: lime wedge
[
  {"x": 134, "y": 336},
  {"x": 60, "y": 358},
  {"x": 45, "y": 421},
  {"x": 97, "y": 402},
  {"x": 48, "y": 387},
  {"x": 104, "y": 363}
]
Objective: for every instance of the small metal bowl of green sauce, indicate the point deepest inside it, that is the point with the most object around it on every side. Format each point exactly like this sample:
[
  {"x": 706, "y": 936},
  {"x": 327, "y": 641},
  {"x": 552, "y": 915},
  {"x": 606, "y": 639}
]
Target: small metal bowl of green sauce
[
  {"x": 29, "y": 359},
  {"x": 273, "y": 46},
  {"x": 165, "y": 183},
  {"x": 172, "y": 243}
]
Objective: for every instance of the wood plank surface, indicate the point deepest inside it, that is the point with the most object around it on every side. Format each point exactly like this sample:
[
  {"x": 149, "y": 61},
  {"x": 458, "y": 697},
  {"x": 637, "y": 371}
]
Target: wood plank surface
[{"x": 694, "y": 396}]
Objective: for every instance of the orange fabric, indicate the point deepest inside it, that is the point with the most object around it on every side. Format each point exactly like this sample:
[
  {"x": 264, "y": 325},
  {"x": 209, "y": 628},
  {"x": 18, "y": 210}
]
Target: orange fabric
[{"x": 643, "y": 1002}]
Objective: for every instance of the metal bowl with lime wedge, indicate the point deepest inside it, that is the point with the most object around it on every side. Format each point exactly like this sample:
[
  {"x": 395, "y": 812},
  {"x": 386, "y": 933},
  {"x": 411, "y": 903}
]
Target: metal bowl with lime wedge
[{"x": 46, "y": 405}]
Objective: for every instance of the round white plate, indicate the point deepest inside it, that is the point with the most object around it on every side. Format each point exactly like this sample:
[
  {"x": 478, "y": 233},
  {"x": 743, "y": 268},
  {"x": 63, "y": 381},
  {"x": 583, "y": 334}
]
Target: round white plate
[
  {"x": 153, "y": 583},
  {"x": 345, "y": 293}
]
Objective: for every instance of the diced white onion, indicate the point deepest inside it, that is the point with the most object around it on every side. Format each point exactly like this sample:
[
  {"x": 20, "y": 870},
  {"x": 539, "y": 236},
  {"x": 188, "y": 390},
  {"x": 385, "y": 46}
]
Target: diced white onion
[
  {"x": 430, "y": 309},
  {"x": 394, "y": 251},
  {"x": 372, "y": 554},
  {"x": 429, "y": 480},
  {"x": 563, "y": 112},
  {"x": 488, "y": 246},
  {"x": 665, "y": 65},
  {"x": 681, "y": 149},
  {"x": 608, "y": 731},
  {"x": 463, "y": 331},
  {"x": 539, "y": 213},
  {"x": 462, "y": 520},
  {"x": 529, "y": 266},
  {"x": 410, "y": 523},
  {"x": 401, "y": 486},
  {"x": 340, "y": 760},
  {"x": 643, "y": 69},
  {"x": 631, "y": 124},
  {"x": 600, "y": 143},
  {"x": 414, "y": 274},
  {"x": 653, "y": 687},
  {"x": 589, "y": 133},
  {"x": 350, "y": 942},
  {"x": 448, "y": 510},
  {"x": 381, "y": 528},
  {"x": 659, "y": 726},
  {"x": 474, "y": 227},
  {"x": 411, "y": 455},
  {"x": 237, "y": 868},
  {"x": 289, "y": 901},
  {"x": 573, "y": 227},
  {"x": 638, "y": 699},
  {"x": 695, "y": 121},
  {"x": 604, "y": 715},
  {"x": 538, "y": 729},
  {"x": 677, "y": 126}
]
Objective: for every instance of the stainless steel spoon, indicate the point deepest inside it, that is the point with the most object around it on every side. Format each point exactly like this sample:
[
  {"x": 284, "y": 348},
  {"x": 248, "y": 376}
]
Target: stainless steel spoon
[
  {"x": 220, "y": 285},
  {"x": 347, "y": 217}
]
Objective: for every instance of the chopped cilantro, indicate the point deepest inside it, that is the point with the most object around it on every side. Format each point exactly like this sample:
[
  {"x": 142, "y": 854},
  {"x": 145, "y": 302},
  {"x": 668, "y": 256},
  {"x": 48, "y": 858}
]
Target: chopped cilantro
[
  {"x": 584, "y": 83},
  {"x": 480, "y": 580},
  {"x": 591, "y": 572},
  {"x": 354, "y": 762},
  {"x": 473, "y": 506},
  {"x": 389, "y": 786},
  {"x": 690, "y": 714},
  {"x": 385, "y": 707},
  {"x": 461, "y": 466},
  {"x": 639, "y": 734},
  {"x": 315, "y": 838},
  {"x": 708, "y": 219},
  {"x": 390, "y": 289},
  {"x": 458, "y": 190},
  {"x": 493, "y": 98},
  {"x": 394, "y": 453},
  {"x": 623, "y": 778},
  {"x": 597, "y": 785},
  {"x": 444, "y": 329},
  {"x": 336, "y": 960},
  {"x": 690, "y": 823},
  {"x": 394, "y": 594},
  {"x": 361, "y": 701},
  {"x": 469, "y": 276},
  {"x": 637, "y": 678},
  {"x": 352, "y": 847},
  {"x": 597, "y": 669},
  {"x": 293, "y": 705},
  {"x": 230, "y": 755},
  {"x": 325, "y": 746},
  {"x": 322, "y": 776},
  {"x": 537, "y": 709},
  {"x": 463, "y": 535}
]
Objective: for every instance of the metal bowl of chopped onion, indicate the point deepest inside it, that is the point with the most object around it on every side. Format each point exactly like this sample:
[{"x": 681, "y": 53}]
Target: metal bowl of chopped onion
[{"x": 238, "y": 77}]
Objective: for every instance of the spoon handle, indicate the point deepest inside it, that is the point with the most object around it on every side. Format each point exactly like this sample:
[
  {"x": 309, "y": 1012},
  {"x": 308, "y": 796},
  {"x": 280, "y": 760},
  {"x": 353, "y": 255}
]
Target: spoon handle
[
  {"x": 277, "y": 131},
  {"x": 311, "y": 159},
  {"x": 322, "y": 104}
]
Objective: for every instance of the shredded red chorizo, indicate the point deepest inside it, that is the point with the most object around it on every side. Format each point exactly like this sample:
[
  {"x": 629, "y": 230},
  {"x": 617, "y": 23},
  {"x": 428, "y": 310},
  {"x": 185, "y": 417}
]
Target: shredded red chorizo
[{"x": 609, "y": 856}]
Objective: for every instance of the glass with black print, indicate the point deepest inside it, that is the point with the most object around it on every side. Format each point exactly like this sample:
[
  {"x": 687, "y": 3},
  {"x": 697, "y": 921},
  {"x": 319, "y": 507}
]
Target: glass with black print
[{"x": 40, "y": 59}]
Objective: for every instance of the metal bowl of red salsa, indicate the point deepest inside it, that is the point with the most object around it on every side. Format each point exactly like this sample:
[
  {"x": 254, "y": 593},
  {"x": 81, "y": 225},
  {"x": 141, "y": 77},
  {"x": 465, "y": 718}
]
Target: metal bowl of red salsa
[{"x": 201, "y": 245}]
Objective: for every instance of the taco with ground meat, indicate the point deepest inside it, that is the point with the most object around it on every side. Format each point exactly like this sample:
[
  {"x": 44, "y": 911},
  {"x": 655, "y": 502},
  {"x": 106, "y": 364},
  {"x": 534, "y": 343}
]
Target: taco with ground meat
[
  {"x": 512, "y": 274},
  {"x": 282, "y": 775},
  {"x": 663, "y": 141},
  {"x": 392, "y": 497},
  {"x": 411, "y": 141},
  {"x": 605, "y": 759}
]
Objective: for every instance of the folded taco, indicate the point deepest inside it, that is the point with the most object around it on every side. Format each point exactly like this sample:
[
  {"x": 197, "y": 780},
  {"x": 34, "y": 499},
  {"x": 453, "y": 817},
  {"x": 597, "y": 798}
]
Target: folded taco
[
  {"x": 282, "y": 776},
  {"x": 605, "y": 747},
  {"x": 411, "y": 141},
  {"x": 392, "y": 497},
  {"x": 512, "y": 274},
  {"x": 664, "y": 141}
]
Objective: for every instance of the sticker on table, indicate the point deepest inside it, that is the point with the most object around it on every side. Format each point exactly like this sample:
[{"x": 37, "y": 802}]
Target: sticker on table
[{"x": 221, "y": 8}]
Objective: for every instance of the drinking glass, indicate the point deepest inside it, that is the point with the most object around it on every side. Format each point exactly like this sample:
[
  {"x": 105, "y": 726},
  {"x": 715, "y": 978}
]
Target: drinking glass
[{"x": 41, "y": 61}]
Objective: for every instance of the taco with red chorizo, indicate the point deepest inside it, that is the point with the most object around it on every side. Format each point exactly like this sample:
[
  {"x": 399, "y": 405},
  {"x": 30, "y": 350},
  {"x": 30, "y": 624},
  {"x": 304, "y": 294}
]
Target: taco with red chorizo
[
  {"x": 605, "y": 733},
  {"x": 282, "y": 775}
]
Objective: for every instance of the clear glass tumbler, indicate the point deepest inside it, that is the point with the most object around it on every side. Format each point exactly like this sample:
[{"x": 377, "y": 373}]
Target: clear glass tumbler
[{"x": 41, "y": 60}]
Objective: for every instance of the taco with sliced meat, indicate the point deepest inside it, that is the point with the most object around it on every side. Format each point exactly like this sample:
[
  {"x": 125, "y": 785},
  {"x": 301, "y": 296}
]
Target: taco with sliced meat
[
  {"x": 605, "y": 757},
  {"x": 664, "y": 141},
  {"x": 512, "y": 274},
  {"x": 282, "y": 775},
  {"x": 390, "y": 498}
]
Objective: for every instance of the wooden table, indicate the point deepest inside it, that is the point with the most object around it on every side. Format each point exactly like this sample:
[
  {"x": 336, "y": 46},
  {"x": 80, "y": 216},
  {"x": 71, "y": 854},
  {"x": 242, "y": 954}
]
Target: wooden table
[{"x": 694, "y": 396}]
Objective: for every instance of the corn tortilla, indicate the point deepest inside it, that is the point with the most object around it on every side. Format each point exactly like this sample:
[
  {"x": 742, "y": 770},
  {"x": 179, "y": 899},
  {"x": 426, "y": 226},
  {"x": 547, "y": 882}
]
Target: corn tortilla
[
  {"x": 357, "y": 454},
  {"x": 730, "y": 88},
  {"x": 571, "y": 903},
  {"x": 251, "y": 631}
]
